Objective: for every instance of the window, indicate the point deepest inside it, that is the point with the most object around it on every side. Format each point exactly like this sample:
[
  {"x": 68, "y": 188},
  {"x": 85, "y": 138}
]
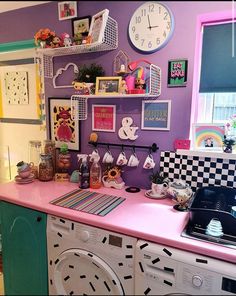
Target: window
[{"x": 214, "y": 90}]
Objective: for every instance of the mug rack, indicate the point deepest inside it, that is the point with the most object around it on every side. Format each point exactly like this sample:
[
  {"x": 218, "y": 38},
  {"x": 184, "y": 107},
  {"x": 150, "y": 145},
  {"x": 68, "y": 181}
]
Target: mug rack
[{"x": 152, "y": 148}]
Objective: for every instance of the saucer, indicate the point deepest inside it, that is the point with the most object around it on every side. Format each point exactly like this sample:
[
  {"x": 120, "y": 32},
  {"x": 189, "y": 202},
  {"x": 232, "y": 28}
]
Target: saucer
[
  {"x": 20, "y": 180},
  {"x": 156, "y": 196}
]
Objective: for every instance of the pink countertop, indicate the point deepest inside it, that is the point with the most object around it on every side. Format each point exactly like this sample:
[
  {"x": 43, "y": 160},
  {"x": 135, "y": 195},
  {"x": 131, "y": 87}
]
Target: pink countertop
[{"x": 138, "y": 216}]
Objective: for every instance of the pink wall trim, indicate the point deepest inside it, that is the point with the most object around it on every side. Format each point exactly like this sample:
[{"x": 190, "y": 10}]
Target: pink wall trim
[{"x": 204, "y": 19}]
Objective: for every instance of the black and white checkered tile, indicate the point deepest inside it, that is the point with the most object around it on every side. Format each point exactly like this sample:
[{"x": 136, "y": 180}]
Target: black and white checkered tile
[{"x": 199, "y": 171}]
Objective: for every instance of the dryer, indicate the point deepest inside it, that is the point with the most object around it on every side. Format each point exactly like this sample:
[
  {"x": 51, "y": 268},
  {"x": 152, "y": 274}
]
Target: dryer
[{"x": 85, "y": 260}]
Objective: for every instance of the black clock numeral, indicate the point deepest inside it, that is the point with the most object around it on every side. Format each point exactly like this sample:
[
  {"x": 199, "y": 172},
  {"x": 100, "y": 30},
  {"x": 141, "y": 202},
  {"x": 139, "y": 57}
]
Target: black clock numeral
[
  {"x": 149, "y": 44},
  {"x": 136, "y": 37},
  {"x": 158, "y": 41},
  {"x": 151, "y": 8},
  {"x": 164, "y": 34},
  {"x": 138, "y": 19},
  {"x": 165, "y": 15},
  {"x": 133, "y": 29},
  {"x": 159, "y": 9},
  {"x": 143, "y": 12},
  {"x": 168, "y": 26},
  {"x": 142, "y": 42}
]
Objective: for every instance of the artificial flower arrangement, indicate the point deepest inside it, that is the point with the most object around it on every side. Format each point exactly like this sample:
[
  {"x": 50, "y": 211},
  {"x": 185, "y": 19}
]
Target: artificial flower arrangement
[
  {"x": 230, "y": 126},
  {"x": 45, "y": 35}
]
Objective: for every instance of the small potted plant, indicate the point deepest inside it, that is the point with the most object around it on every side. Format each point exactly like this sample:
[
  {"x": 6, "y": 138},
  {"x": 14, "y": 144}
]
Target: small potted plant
[
  {"x": 88, "y": 74},
  {"x": 229, "y": 142},
  {"x": 160, "y": 183}
]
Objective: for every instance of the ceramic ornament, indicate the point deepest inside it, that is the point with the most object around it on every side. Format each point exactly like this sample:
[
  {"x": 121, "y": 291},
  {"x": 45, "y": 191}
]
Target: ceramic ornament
[{"x": 127, "y": 131}]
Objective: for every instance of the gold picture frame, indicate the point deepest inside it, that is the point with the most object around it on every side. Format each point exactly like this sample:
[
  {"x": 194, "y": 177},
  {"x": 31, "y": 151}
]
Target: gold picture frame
[{"x": 107, "y": 85}]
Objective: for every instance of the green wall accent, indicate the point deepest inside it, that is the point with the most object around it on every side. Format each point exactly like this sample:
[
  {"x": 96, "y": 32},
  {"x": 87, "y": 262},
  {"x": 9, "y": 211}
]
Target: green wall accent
[{"x": 17, "y": 45}]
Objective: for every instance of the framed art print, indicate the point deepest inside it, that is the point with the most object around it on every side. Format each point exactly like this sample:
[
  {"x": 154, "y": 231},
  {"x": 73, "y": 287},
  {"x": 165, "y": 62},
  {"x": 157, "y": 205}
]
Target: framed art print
[
  {"x": 80, "y": 26},
  {"x": 62, "y": 128},
  {"x": 67, "y": 10},
  {"x": 156, "y": 115},
  {"x": 104, "y": 118},
  {"x": 177, "y": 72},
  {"x": 207, "y": 136}
]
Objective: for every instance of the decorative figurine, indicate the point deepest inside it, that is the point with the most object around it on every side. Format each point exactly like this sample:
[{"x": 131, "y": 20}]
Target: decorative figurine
[
  {"x": 63, "y": 164},
  {"x": 127, "y": 131},
  {"x": 112, "y": 178}
]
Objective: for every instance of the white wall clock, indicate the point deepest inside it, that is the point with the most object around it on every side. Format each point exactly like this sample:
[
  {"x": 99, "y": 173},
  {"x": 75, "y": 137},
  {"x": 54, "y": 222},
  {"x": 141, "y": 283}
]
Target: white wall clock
[{"x": 151, "y": 27}]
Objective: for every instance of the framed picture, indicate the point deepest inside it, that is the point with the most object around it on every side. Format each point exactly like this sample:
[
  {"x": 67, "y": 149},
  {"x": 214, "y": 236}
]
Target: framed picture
[
  {"x": 107, "y": 85},
  {"x": 62, "y": 129},
  {"x": 104, "y": 118},
  {"x": 98, "y": 24},
  {"x": 67, "y": 10},
  {"x": 156, "y": 115},
  {"x": 80, "y": 26},
  {"x": 177, "y": 73},
  {"x": 207, "y": 136}
]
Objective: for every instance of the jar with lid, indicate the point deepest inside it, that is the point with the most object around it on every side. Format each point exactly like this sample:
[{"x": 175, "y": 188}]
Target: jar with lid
[
  {"x": 50, "y": 148},
  {"x": 34, "y": 156},
  {"x": 46, "y": 167}
]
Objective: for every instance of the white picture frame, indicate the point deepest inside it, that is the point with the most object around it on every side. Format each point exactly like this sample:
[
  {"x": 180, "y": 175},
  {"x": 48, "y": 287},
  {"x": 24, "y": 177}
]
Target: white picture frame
[
  {"x": 156, "y": 115},
  {"x": 98, "y": 25},
  {"x": 104, "y": 118}
]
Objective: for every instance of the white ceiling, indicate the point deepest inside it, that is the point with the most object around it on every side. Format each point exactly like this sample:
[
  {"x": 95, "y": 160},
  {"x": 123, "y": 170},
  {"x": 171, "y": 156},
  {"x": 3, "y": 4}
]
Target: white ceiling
[{"x": 11, "y": 5}]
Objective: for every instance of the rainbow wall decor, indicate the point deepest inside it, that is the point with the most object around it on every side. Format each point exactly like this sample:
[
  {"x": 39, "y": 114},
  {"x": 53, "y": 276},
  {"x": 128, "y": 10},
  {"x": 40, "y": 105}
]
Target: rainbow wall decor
[{"x": 208, "y": 136}]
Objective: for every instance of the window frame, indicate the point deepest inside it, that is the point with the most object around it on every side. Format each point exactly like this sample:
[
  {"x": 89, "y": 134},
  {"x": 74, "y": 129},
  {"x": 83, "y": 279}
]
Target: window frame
[{"x": 203, "y": 20}]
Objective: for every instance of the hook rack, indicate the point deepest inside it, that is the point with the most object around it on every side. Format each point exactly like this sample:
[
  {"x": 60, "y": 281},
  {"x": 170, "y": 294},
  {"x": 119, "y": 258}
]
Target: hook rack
[{"x": 152, "y": 148}]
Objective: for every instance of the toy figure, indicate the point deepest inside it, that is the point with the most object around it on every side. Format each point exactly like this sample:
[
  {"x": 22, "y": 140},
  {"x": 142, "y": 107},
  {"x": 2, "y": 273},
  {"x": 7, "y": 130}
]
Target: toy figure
[
  {"x": 56, "y": 42},
  {"x": 81, "y": 87},
  {"x": 123, "y": 87},
  {"x": 66, "y": 40}
]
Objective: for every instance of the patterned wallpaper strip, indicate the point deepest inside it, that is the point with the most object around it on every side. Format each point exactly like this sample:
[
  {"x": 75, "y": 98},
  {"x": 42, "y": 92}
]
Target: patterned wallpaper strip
[{"x": 199, "y": 171}]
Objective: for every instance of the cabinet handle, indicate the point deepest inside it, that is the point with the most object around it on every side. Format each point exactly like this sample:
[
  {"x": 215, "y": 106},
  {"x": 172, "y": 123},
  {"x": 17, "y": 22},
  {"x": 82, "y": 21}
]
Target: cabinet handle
[{"x": 39, "y": 219}]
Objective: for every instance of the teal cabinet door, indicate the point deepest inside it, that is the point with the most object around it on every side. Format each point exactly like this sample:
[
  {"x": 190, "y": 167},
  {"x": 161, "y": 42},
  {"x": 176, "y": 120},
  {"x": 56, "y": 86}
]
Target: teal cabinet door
[{"x": 24, "y": 250}]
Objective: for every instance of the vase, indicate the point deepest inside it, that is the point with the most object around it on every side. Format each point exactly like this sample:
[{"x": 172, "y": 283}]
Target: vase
[{"x": 42, "y": 44}]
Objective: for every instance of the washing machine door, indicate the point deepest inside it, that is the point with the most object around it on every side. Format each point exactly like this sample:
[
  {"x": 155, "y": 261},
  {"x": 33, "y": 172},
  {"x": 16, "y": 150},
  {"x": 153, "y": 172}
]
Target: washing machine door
[{"x": 78, "y": 272}]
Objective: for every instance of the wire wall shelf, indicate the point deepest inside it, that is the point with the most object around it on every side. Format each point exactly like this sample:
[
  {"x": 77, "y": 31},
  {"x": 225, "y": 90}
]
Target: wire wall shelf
[{"x": 109, "y": 42}]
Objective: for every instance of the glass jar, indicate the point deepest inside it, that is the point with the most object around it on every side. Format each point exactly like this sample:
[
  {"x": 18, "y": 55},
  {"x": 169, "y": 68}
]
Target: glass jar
[
  {"x": 46, "y": 167},
  {"x": 34, "y": 156},
  {"x": 50, "y": 148}
]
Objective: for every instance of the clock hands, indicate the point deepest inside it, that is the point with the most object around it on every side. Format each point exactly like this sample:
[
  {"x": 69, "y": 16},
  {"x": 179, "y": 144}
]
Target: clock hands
[{"x": 150, "y": 27}]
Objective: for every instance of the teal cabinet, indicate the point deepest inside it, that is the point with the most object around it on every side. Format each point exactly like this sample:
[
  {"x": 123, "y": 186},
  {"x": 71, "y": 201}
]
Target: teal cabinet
[{"x": 24, "y": 250}]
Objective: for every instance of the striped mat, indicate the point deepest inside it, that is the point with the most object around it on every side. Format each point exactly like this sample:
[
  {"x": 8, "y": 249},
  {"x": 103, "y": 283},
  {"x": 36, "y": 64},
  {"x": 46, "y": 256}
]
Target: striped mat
[{"x": 88, "y": 202}]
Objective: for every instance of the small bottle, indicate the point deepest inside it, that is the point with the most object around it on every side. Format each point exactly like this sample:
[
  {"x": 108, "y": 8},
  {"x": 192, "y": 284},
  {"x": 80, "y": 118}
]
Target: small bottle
[
  {"x": 96, "y": 174},
  {"x": 46, "y": 167},
  {"x": 83, "y": 172}
]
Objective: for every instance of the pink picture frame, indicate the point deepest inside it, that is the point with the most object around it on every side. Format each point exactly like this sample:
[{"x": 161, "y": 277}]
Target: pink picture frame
[{"x": 104, "y": 118}]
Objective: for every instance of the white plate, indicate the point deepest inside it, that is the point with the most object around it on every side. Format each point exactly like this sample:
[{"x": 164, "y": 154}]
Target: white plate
[{"x": 156, "y": 196}]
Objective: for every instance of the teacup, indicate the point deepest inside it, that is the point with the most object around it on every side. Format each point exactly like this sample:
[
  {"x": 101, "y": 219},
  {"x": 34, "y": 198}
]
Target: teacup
[
  {"x": 159, "y": 189},
  {"x": 108, "y": 158},
  {"x": 122, "y": 160},
  {"x": 94, "y": 155},
  {"x": 149, "y": 162},
  {"x": 25, "y": 173},
  {"x": 133, "y": 160}
]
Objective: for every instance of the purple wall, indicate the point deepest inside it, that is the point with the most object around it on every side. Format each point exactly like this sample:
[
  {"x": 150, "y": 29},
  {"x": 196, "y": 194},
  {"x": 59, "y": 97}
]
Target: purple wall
[{"x": 22, "y": 24}]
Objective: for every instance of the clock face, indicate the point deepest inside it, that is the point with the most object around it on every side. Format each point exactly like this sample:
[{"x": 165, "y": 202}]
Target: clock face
[{"x": 151, "y": 27}]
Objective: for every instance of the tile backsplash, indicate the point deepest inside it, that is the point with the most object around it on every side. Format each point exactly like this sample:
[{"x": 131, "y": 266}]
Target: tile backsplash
[{"x": 199, "y": 171}]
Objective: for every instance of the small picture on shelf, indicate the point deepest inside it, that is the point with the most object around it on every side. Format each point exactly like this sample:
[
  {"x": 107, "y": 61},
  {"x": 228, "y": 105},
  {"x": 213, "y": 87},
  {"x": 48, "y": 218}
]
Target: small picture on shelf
[
  {"x": 107, "y": 85},
  {"x": 80, "y": 29}
]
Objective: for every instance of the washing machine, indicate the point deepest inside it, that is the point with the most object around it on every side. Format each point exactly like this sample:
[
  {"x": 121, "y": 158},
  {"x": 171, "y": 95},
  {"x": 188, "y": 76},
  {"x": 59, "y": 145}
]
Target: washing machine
[
  {"x": 85, "y": 260},
  {"x": 162, "y": 270}
]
